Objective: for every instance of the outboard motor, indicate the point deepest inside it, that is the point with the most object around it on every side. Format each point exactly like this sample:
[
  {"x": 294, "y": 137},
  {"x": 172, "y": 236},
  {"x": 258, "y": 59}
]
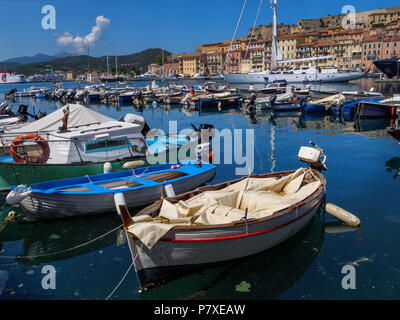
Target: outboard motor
[
  {"x": 4, "y": 109},
  {"x": 22, "y": 110},
  {"x": 252, "y": 101},
  {"x": 314, "y": 157},
  {"x": 204, "y": 153},
  {"x": 40, "y": 115},
  {"x": 272, "y": 99},
  {"x": 205, "y": 131}
]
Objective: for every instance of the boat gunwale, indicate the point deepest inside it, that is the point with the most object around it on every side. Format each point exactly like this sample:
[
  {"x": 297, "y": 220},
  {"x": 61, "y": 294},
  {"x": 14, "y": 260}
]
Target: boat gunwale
[{"x": 148, "y": 183}]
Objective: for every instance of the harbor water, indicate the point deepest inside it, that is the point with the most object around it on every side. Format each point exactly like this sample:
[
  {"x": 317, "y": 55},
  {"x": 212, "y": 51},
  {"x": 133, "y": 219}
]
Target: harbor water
[{"x": 90, "y": 255}]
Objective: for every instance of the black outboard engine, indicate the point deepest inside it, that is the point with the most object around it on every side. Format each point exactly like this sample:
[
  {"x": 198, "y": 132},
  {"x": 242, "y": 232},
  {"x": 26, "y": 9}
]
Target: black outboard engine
[
  {"x": 22, "y": 110},
  {"x": 251, "y": 104},
  {"x": 10, "y": 94},
  {"x": 40, "y": 115},
  {"x": 145, "y": 129},
  {"x": 206, "y": 132},
  {"x": 272, "y": 99}
]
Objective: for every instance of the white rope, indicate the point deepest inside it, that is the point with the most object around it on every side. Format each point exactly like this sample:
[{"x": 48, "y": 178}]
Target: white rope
[
  {"x": 252, "y": 31},
  {"x": 66, "y": 250},
  {"x": 120, "y": 282},
  {"x": 234, "y": 35},
  {"x": 126, "y": 273}
]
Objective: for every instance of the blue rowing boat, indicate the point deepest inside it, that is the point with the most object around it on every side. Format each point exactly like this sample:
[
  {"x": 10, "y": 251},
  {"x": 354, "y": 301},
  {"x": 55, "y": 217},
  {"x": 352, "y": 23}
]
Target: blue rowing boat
[{"x": 89, "y": 195}]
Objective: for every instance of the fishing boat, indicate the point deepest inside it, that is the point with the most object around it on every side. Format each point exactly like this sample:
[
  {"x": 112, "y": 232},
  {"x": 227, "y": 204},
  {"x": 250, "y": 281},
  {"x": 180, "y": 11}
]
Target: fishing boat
[
  {"x": 348, "y": 109},
  {"x": 71, "y": 197},
  {"x": 322, "y": 105},
  {"x": 357, "y": 94},
  {"x": 126, "y": 97},
  {"x": 49, "y": 149},
  {"x": 223, "y": 222},
  {"x": 285, "y": 102},
  {"x": 375, "y": 110},
  {"x": 219, "y": 100}
]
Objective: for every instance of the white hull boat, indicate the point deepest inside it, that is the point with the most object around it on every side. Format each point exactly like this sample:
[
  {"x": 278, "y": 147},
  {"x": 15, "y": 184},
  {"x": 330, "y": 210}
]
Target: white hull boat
[
  {"x": 228, "y": 221},
  {"x": 311, "y": 76},
  {"x": 8, "y": 78},
  {"x": 95, "y": 194}
]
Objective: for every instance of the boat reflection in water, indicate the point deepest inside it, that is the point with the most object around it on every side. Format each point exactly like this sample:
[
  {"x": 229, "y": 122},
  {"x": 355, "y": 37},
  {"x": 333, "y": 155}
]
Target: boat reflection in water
[
  {"x": 269, "y": 273},
  {"x": 393, "y": 166},
  {"x": 62, "y": 239}
]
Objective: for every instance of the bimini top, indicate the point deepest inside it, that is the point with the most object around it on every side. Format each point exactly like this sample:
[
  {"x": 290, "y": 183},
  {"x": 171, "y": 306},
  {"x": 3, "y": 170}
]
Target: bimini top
[{"x": 78, "y": 116}]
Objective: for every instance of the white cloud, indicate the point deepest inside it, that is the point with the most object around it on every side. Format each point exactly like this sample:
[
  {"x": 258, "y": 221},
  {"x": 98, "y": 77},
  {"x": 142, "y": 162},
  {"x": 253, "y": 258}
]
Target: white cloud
[{"x": 82, "y": 44}]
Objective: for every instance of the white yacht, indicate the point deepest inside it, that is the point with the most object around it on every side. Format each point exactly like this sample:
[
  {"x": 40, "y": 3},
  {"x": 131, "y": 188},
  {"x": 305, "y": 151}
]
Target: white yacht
[{"x": 294, "y": 75}]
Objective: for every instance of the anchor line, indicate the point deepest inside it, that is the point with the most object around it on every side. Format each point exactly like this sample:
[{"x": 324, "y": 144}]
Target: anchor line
[{"x": 66, "y": 250}]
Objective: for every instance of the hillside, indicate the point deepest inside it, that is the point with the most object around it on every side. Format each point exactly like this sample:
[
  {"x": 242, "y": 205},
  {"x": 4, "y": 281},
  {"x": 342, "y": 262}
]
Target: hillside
[{"x": 79, "y": 64}]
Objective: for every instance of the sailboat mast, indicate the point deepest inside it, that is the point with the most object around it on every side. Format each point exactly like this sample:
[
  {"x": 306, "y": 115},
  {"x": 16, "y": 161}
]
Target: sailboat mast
[
  {"x": 116, "y": 66},
  {"x": 274, "y": 4},
  {"x": 108, "y": 67}
]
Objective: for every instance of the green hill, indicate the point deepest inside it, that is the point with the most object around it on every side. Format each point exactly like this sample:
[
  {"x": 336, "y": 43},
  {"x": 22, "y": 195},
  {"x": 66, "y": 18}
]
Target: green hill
[{"x": 136, "y": 62}]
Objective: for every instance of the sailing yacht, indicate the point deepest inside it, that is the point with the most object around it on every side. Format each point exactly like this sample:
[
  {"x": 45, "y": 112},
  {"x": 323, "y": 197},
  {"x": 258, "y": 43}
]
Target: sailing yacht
[{"x": 294, "y": 75}]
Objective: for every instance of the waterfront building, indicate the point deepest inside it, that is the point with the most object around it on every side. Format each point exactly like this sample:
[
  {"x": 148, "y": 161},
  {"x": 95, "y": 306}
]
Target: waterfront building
[
  {"x": 171, "y": 66},
  {"x": 233, "y": 61},
  {"x": 189, "y": 64}
]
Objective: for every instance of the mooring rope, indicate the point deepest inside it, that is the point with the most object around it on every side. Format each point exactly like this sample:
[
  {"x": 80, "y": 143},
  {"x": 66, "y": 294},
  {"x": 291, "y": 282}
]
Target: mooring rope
[
  {"x": 252, "y": 31},
  {"x": 126, "y": 273},
  {"x": 66, "y": 250}
]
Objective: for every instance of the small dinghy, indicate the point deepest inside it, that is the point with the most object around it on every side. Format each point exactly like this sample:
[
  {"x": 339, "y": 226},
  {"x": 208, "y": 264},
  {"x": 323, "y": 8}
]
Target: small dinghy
[
  {"x": 323, "y": 105},
  {"x": 95, "y": 194},
  {"x": 223, "y": 222}
]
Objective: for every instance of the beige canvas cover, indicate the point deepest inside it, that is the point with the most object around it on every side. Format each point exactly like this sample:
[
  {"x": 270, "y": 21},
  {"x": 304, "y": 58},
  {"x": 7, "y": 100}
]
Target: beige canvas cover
[
  {"x": 78, "y": 116},
  {"x": 261, "y": 197},
  {"x": 329, "y": 100}
]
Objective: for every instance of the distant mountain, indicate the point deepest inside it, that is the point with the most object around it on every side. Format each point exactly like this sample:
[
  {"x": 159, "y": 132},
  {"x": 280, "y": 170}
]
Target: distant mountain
[
  {"x": 40, "y": 57},
  {"x": 79, "y": 64}
]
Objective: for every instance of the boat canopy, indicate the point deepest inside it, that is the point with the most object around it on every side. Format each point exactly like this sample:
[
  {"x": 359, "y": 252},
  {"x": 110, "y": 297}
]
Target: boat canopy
[{"x": 78, "y": 116}]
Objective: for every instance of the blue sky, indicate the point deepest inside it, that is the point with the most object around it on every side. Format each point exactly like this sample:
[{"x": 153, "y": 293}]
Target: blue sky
[{"x": 135, "y": 25}]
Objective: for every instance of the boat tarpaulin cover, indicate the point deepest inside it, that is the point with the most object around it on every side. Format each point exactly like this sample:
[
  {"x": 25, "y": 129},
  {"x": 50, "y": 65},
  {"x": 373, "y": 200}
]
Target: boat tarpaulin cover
[
  {"x": 330, "y": 99},
  {"x": 262, "y": 197},
  {"x": 78, "y": 116}
]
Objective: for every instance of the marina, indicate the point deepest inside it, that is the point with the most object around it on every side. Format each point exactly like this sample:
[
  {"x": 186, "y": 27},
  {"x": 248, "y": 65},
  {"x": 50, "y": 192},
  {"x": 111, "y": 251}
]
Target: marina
[
  {"x": 261, "y": 167},
  {"x": 278, "y": 136}
]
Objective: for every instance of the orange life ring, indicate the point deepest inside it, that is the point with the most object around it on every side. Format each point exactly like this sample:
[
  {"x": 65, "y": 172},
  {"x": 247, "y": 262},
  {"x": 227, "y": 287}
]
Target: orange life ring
[
  {"x": 26, "y": 158},
  {"x": 143, "y": 142}
]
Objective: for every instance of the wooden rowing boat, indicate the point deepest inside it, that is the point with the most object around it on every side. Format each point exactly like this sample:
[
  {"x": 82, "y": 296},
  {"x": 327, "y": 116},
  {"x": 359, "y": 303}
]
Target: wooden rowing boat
[
  {"x": 90, "y": 195},
  {"x": 223, "y": 222}
]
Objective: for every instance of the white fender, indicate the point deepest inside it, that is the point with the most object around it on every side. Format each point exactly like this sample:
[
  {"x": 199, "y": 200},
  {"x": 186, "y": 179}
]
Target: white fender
[
  {"x": 17, "y": 195},
  {"x": 342, "y": 215},
  {"x": 119, "y": 200},
  {"x": 134, "y": 164},
  {"x": 169, "y": 190}
]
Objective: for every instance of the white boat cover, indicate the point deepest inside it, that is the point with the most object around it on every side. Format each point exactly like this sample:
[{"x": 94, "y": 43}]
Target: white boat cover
[
  {"x": 78, "y": 116},
  {"x": 262, "y": 197},
  {"x": 328, "y": 100}
]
